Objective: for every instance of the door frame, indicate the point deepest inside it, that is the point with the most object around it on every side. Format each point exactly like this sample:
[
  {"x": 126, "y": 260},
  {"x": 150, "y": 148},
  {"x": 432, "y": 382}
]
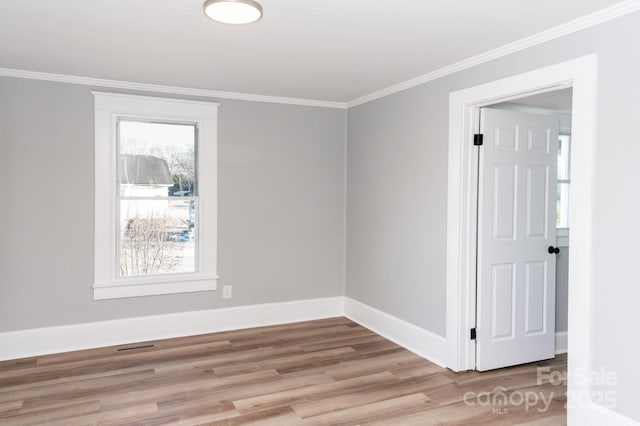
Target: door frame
[{"x": 464, "y": 105}]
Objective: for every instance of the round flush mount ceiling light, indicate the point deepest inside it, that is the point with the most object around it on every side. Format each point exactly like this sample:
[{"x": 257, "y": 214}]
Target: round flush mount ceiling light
[{"x": 233, "y": 11}]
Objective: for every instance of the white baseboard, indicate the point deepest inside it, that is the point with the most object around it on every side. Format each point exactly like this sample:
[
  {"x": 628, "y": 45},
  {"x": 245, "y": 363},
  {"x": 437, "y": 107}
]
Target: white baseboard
[
  {"x": 601, "y": 416},
  {"x": 418, "y": 340},
  {"x": 561, "y": 342},
  {"x": 58, "y": 339},
  {"x": 49, "y": 340}
]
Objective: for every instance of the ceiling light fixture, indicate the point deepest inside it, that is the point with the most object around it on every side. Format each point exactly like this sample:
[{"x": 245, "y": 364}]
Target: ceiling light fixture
[{"x": 233, "y": 11}]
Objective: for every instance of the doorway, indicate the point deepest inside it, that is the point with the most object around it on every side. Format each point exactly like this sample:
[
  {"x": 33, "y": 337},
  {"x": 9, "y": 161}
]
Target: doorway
[{"x": 461, "y": 252}]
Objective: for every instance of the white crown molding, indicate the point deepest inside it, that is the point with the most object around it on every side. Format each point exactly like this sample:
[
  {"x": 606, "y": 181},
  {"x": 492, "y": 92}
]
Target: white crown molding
[
  {"x": 567, "y": 28},
  {"x": 570, "y": 27},
  {"x": 157, "y": 88}
]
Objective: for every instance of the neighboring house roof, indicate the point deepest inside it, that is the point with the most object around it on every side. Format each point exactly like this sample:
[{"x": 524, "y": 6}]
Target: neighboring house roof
[{"x": 144, "y": 170}]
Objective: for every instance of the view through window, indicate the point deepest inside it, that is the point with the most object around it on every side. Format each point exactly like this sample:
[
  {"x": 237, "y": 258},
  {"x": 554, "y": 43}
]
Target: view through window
[
  {"x": 157, "y": 198},
  {"x": 564, "y": 179}
]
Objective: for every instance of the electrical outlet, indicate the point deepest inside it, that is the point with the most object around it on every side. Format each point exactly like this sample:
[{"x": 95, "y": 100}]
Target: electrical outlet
[{"x": 226, "y": 292}]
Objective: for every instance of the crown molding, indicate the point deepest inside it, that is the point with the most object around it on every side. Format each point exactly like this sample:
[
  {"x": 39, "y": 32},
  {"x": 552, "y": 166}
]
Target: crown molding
[
  {"x": 587, "y": 21},
  {"x": 567, "y": 28},
  {"x": 174, "y": 90}
]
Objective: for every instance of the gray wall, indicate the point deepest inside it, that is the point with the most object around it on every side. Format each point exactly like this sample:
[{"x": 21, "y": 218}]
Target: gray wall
[
  {"x": 281, "y": 207},
  {"x": 397, "y": 192}
]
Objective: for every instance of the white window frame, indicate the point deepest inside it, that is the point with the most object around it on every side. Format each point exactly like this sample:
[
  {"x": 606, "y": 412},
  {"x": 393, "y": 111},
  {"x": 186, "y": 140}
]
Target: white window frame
[
  {"x": 562, "y": 234},
  {"x": 109, "y": 107}
]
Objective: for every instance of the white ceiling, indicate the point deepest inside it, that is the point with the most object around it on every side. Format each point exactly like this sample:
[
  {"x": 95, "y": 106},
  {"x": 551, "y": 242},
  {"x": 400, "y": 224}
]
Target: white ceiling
[
  {"x": 557, "y": 100},
  {"x": 334, "y": 50}
]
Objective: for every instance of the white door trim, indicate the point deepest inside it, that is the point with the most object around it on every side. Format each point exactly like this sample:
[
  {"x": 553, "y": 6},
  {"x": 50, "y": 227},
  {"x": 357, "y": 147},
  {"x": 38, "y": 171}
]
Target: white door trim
[{"x": 581, "y": 74}]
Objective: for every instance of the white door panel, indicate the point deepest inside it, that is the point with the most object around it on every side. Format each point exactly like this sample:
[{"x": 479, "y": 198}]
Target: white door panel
[
  {"x": 535, "y": 289},
  {"x": 505, "y": 195},
  {"x": 537, "y": 202},
  {"x": 502, "y": 301},
  {"x": 516, "y": 225}
]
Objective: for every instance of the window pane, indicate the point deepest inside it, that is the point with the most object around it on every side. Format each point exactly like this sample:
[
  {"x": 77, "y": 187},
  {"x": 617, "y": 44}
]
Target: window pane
[
  {"x": 563, "y": 156},
  {"x": 562, "y": 206},
  {"x": 157, "y": 236},
  {"x": 156, "y": 159}
]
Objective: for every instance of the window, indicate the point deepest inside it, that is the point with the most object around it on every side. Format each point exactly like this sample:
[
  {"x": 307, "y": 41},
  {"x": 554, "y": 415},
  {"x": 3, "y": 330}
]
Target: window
[
  {"x": 155, "y": 175},
  {"x": 564, "y": 180},
  {"x": 157, "y": 197}
]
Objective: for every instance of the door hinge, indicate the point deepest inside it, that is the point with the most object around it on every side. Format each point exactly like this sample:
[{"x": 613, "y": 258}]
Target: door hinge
[
  {"x": 473, "y": 333},
  {"x": 477, "y": 139}
]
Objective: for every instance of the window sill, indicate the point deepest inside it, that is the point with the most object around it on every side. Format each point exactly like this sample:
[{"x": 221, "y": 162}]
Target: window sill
[
  {"x": 153, "y": 287},
  {"x": 562, "y": 237}
]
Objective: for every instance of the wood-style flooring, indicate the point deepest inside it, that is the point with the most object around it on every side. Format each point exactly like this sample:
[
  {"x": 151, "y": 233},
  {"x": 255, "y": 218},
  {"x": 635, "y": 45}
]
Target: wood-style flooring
[{"x": 326, "y": 372}]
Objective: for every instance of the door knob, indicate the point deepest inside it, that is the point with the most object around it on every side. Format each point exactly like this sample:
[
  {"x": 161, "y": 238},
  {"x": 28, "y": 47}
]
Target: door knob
[{"x": 553, "y": 250}]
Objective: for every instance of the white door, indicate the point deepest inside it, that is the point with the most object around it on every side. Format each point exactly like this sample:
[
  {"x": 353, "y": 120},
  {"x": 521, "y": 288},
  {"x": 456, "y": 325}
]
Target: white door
[{"x": 516, "y": 236}]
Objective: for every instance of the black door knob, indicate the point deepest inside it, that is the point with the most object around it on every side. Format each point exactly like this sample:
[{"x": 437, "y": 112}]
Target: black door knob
[{"x": 553, "y": 250}]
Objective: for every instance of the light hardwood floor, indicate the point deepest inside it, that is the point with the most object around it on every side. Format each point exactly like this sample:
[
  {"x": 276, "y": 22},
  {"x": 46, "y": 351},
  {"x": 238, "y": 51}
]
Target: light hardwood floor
[{"x": 326, "y": 372}]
